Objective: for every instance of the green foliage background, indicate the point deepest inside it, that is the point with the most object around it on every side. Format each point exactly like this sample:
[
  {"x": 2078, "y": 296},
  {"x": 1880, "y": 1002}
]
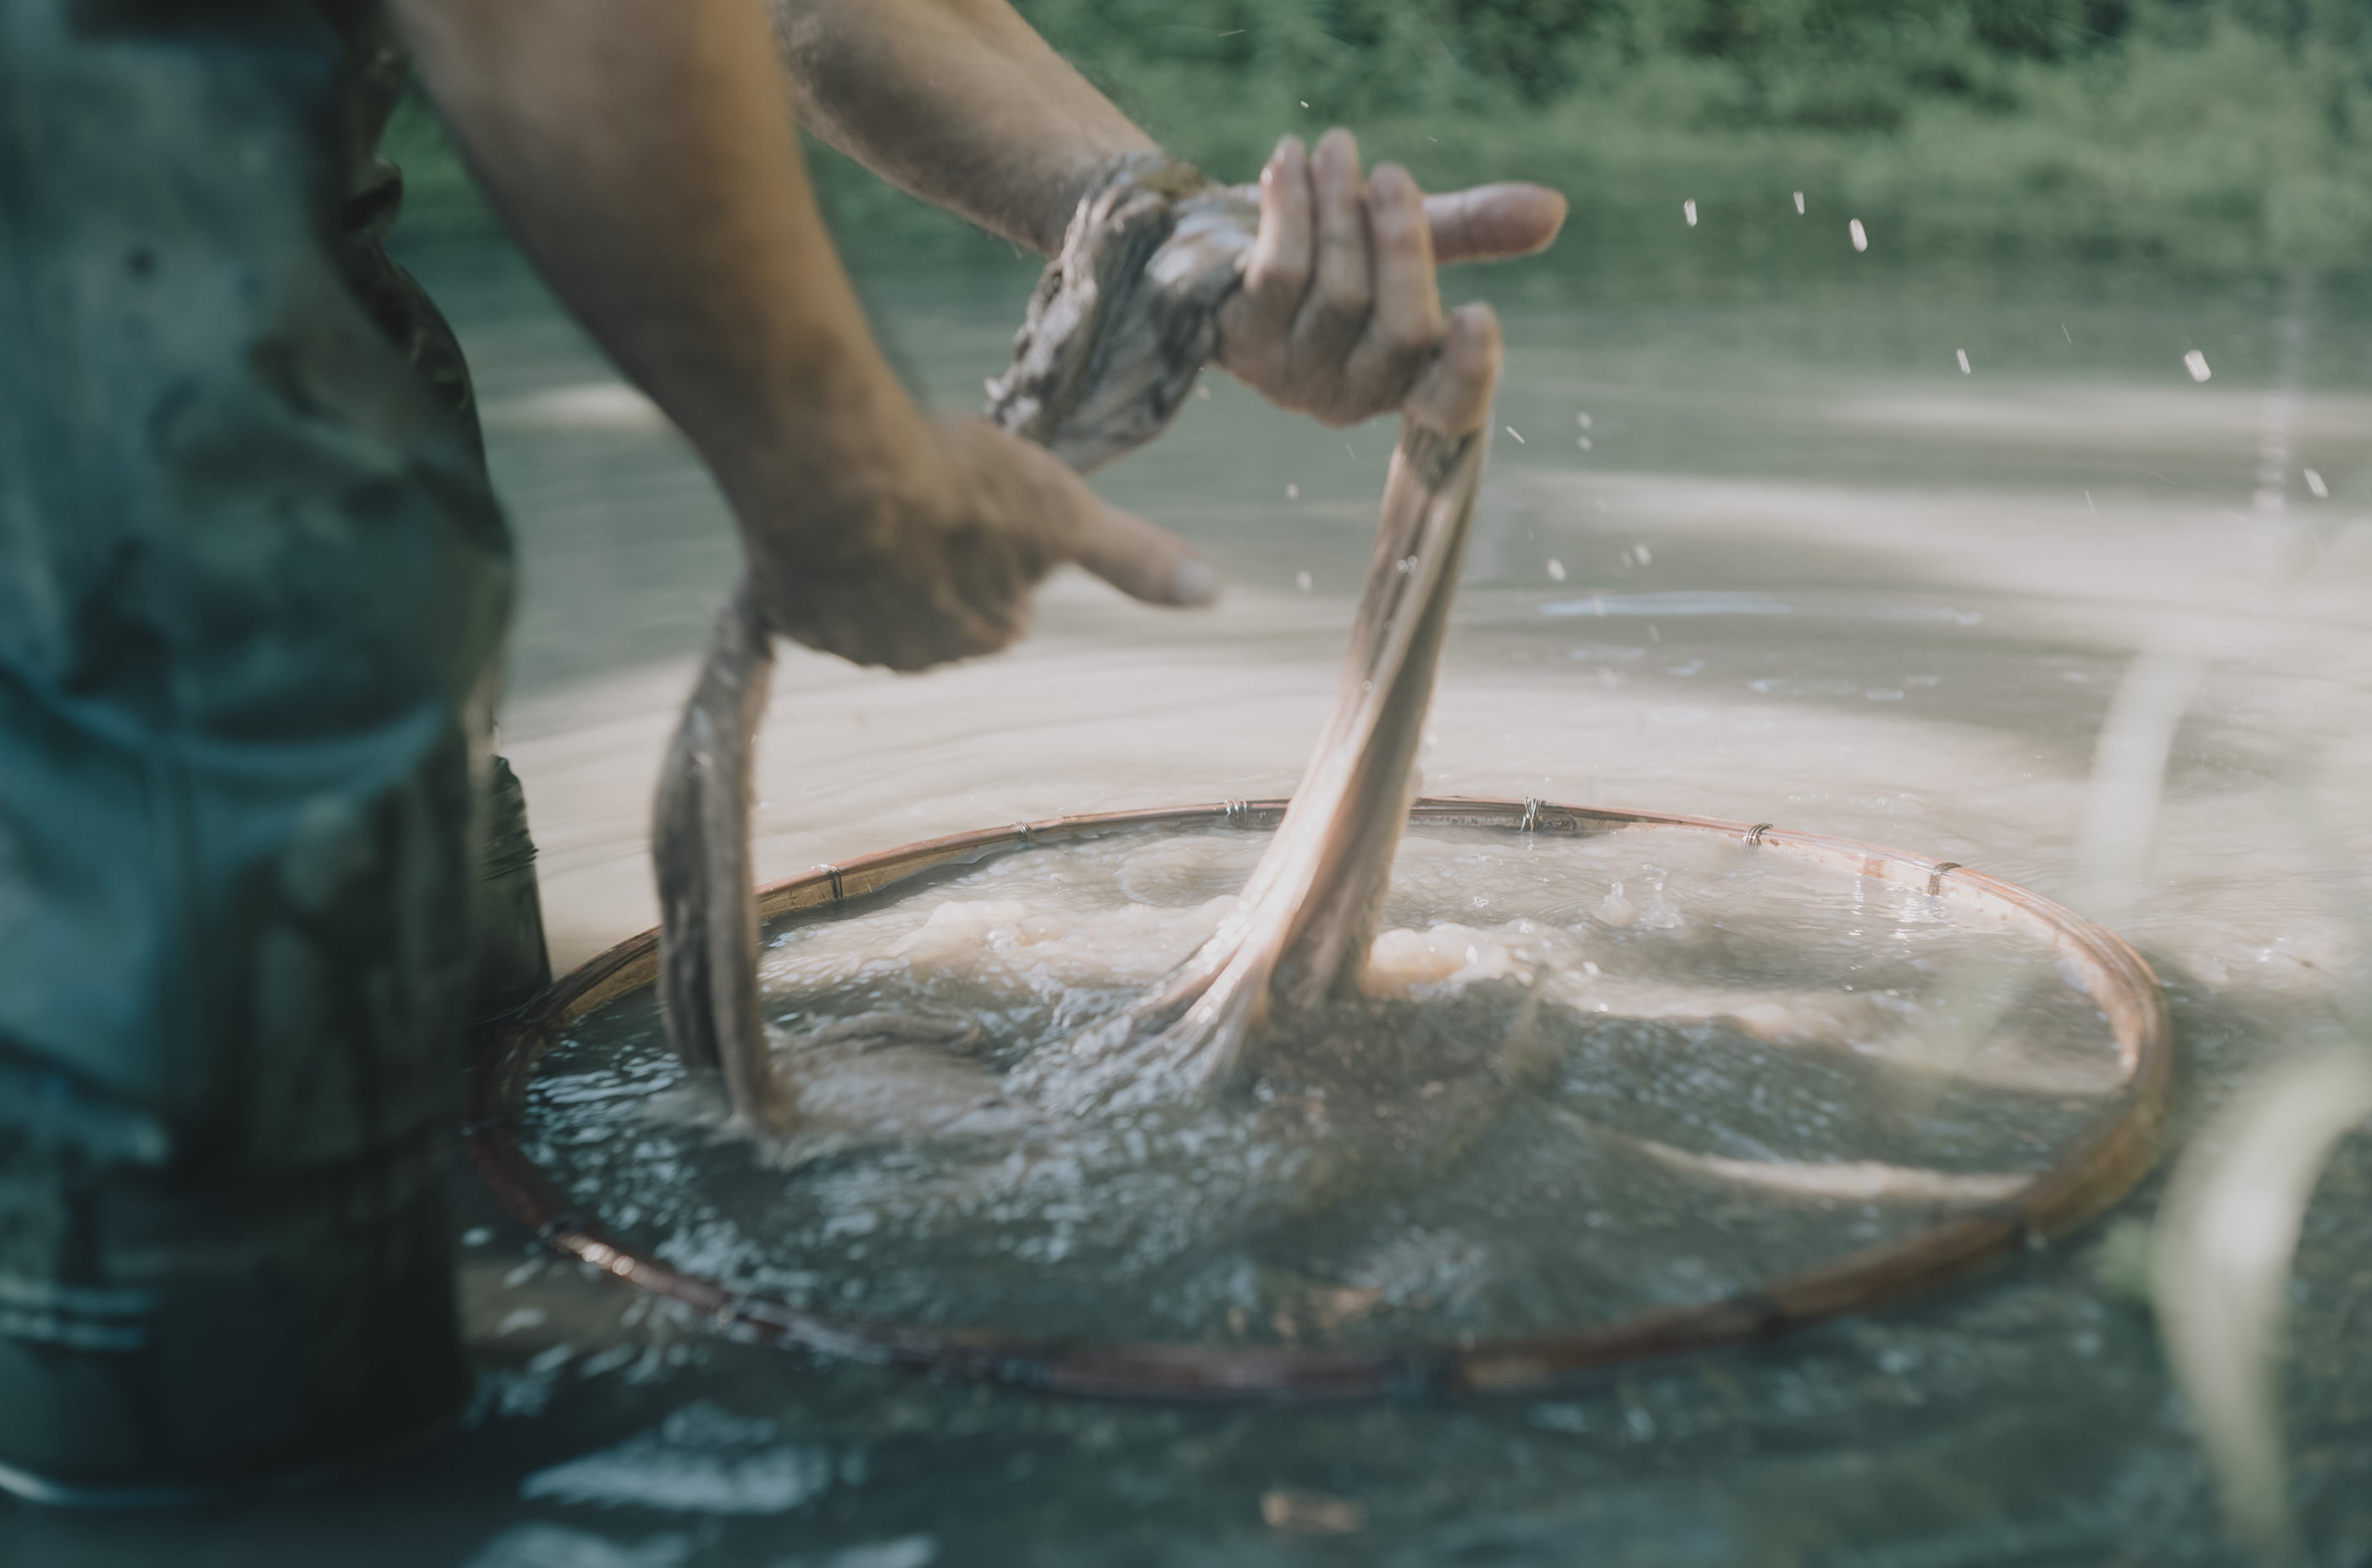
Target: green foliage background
[{"x": 2215, "y": 133}]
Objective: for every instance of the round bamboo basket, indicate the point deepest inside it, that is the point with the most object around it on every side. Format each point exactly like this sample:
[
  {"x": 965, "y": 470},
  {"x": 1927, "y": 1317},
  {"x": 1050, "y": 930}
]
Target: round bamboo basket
[{"x": 2115, "y": 1149}]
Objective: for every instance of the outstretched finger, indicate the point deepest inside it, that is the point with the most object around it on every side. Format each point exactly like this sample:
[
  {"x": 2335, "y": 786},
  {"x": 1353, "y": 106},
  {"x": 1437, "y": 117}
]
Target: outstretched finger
[
  {"x": 1144, "y": 562},
  {"x": 1070, "y": 520},
  {"x": 1454, "y": 394},
  {"x": 1488, "y": 222}
]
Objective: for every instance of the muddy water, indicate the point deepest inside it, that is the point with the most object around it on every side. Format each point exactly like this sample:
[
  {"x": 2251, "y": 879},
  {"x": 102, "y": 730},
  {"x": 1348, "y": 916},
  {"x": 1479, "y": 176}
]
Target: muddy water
[
  {"x": 2073, "y": 617},
  {"x": 1593, "y": 1079}
]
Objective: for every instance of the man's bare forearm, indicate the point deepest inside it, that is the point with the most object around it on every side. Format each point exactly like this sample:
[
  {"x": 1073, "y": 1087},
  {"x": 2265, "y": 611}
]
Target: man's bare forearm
[
  {"x": 644, "y": 158},
  {"x": 958, "y": 101}
]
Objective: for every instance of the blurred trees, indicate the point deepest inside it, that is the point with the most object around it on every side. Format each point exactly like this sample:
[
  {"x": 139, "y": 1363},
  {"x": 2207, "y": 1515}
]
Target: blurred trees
[{"x": 2224, "y": 133}]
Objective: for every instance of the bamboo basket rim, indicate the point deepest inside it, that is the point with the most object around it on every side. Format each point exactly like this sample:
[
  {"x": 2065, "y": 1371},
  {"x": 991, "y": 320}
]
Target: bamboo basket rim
[{"x": 2100, "y": 1166}]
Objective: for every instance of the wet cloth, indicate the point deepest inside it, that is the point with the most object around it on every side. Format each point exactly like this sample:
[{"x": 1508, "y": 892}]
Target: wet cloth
[{"x": 252, "y": 582}]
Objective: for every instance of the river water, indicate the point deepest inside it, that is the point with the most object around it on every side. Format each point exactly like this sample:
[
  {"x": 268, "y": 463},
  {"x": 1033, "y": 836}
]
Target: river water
[{"x": 1756, "y": 542}]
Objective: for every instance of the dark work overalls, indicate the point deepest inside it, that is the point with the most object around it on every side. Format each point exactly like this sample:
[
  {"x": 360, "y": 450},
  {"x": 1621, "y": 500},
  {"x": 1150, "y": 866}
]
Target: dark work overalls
[{"x": 252, "y": 586}]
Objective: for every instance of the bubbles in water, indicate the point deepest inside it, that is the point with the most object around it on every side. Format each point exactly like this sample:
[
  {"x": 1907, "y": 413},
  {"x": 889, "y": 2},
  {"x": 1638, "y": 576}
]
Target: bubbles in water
[
  {"x": 1615, "y": 908},
  {"x": 1727, "y": 1038}
]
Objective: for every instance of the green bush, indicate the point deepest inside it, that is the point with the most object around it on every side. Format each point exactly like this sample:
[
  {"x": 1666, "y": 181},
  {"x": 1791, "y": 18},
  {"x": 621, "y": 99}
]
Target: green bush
[{"x": 2217, "y": 133}]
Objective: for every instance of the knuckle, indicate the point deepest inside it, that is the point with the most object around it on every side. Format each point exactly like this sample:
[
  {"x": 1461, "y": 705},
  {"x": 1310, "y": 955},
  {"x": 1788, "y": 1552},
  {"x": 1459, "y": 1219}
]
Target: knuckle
[
  {"x": 1278, "y": 280},
  {"x": 1397, "y": 225},
  {"x": 1409, "y": 341},
  {"x": 1342, "y": 296}
]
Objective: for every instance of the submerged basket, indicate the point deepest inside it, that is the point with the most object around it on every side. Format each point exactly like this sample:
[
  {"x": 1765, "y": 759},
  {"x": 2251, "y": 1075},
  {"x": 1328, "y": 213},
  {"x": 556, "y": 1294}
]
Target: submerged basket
[{"x": 2114, "y": 1150}]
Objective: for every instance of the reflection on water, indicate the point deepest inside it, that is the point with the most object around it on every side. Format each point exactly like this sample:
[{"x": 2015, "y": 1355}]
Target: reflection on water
[{"x": 1832, "y": 582}]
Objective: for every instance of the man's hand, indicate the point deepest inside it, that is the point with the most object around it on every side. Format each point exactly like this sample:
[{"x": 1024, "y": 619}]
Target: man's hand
[
  {"x": 934, "y": 556},
  {"x": 1338, "y": 315}
]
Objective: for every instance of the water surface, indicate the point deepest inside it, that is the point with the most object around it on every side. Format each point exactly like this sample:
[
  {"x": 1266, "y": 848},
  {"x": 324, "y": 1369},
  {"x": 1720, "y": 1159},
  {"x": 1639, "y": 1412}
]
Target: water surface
[{"x": 1752, "y": 546}]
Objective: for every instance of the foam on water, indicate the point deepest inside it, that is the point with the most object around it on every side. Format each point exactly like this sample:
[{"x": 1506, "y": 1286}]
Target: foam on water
[{"x": 1545, "y": 1115}]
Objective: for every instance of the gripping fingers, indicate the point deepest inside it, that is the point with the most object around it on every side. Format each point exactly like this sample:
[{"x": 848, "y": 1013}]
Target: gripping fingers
[
  {"x": 1342, "y": 287},
  {"x": 1260, "y": 314},
  {"x": 1454, "y": 393},
  {"x": 1404, "y": 328}
]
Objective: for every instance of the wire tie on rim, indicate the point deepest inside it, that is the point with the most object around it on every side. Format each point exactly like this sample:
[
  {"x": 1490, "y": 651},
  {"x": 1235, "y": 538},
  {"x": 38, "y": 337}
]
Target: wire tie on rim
[
  {"x": 1023, "y": 828},
  {"x": 1239, "y": 813},
  {"x": 1754, "y": 834},
  {"x": 1936, "y": 875},
  {"x": 839, "y": 888},
  {"x": 1532, "y": 822}
]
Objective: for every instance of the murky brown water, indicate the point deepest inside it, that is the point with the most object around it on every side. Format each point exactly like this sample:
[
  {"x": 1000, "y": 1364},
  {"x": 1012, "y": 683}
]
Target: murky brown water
[{"x": 1804, "y": 570}]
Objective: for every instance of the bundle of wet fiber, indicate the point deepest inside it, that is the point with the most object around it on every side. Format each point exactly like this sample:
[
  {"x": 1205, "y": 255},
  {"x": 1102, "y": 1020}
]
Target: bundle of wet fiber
[{"x": 1118, "y": 329}]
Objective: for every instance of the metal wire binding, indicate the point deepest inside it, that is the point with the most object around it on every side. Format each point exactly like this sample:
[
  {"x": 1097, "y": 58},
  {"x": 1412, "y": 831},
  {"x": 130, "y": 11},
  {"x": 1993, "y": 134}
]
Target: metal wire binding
[
  {"x": 1936, "y": 875},
  {"x": 1239, "y": 813},
  {"x": 1023, "y": 828},
  {"x": 1754, "y": 834},
  {"x": 839, "y": 888},
  {"x": 1531, "y": 821}
]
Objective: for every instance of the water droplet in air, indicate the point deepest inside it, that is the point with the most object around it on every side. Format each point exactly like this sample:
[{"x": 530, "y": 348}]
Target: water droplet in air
[
  {"x": 2196, "y": 363},
  {"x": 1293, "y": 493},
  {"x": 1688, "y": 210},
  {"x": 1302, "y": 580},
  {"x": 2314, "y": 482},
  {"x": 1615, "y": 908},
  {"x": 1860, "y": 235},
  {"x": 1964, "y": 360},
  {"x": 1556, "y": 570},
  {"x": 1799, "y": 204},
  {"x": 1515, "y": 433}
]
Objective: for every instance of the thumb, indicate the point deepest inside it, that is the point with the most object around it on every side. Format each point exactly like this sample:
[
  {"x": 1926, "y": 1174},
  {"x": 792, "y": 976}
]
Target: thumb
[
  {"x": 1485, "y": 222},
  {"x": 1140, "y": 560}
]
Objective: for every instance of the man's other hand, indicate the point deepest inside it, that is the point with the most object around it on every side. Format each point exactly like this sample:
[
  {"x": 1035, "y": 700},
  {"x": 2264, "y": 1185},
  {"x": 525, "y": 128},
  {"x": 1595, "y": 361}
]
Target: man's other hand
[
  {"x": 935, "y": 557},
  {"x": 1338, "y": 315}
]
